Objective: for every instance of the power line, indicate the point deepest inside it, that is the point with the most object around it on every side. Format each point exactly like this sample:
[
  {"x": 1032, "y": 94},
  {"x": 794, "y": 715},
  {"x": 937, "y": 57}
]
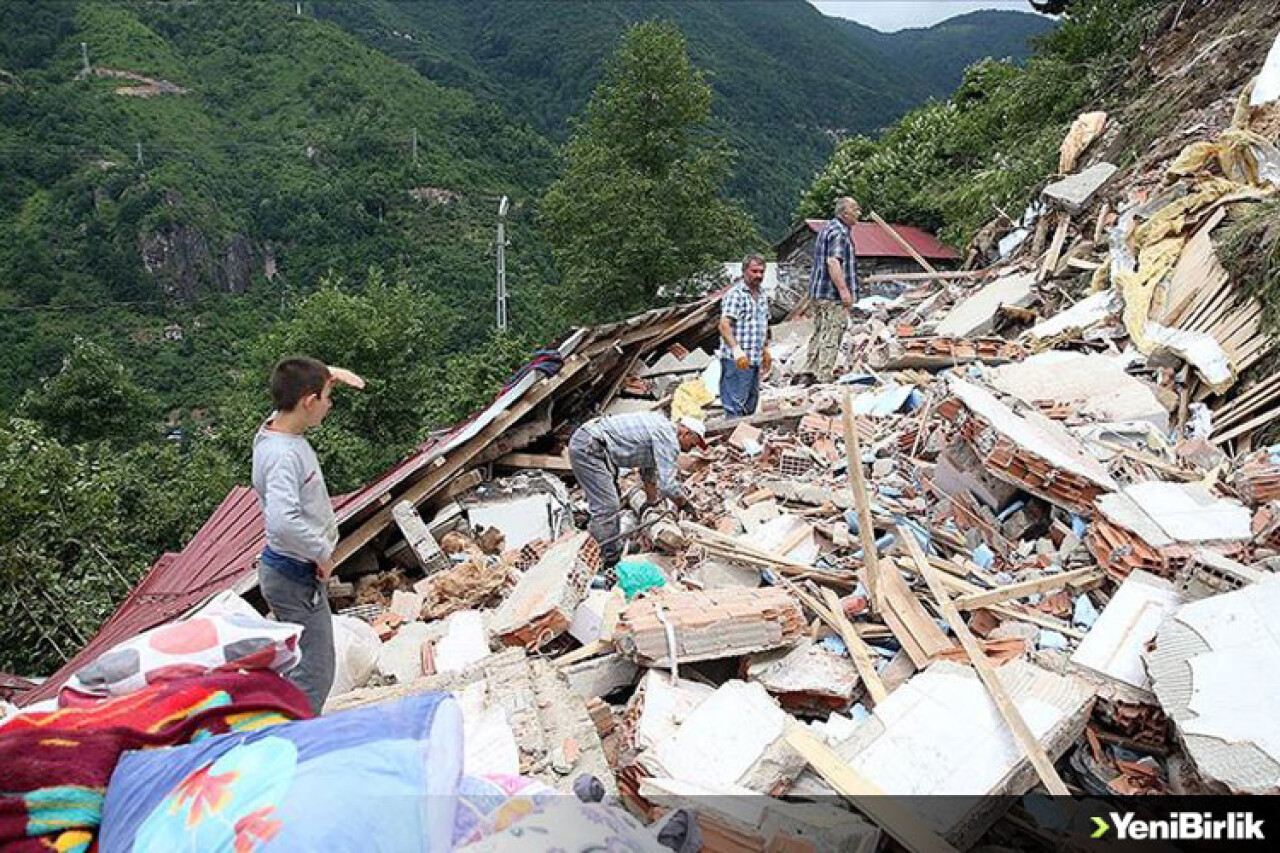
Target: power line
[{"x": 15, "y": 309}]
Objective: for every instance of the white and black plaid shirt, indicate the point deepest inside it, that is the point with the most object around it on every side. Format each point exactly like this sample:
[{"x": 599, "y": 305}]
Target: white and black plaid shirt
[
  {"x": 750, "y": 317},
  {"x": 643, "y": 440}
]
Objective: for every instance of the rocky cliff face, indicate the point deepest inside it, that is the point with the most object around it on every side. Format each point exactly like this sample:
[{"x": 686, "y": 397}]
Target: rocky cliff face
[{"x": 180, "y": 259}]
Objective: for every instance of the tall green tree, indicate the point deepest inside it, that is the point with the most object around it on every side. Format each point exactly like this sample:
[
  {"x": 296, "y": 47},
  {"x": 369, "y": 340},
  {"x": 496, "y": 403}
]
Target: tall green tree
[
  {"x": 93, "y": 397},
  {"x": 639, "y": 206}
]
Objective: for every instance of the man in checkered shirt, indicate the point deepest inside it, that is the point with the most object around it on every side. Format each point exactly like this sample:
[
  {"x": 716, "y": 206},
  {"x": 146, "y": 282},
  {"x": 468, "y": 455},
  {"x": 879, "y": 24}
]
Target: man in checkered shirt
[
  {"x": 646, "y": 441},
  {"x": 833, "y": 288},
  {"x": 744, "y": 340}
]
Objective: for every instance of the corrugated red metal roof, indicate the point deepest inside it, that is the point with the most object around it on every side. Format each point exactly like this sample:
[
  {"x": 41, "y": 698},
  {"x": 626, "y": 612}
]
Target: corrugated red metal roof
[
  {"x": 224, "y": 549},
  {"x": 220, "y": 553},
  {"x": 870, "y": 241}
]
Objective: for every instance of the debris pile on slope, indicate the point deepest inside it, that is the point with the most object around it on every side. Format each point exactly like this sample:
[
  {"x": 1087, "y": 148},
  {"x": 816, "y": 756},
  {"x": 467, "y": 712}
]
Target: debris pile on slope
[{"x": 1025, "y": 541}]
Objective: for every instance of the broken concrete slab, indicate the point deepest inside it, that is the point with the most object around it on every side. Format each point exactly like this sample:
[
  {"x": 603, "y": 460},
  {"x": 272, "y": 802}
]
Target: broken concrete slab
[
  {"x": 718, "y": 574},
  {"x": 1215, "y": 667},
  {"x": 1165, "y": 514},
  {"x": 976, "y": 314},
  {"x": 1026, "y": 449},
  {"x": 596, "y": 615},
  {"x": 1079, "y": 318},
  {"x": 788, "y": 536},
  {"x": 1113, "y": 647},
  {"x": 463, "y": 643},
  {"x": 542, "y": 605},
  {"x": 733, "y": 737},
  {"x": 808, "y": 677},
  {"x": 1095, "y": 386},
  {"x": 960, "y": 471},
  {"x": 417, "y": 535},
  {"x": 735, "y": 818},
  {"x": 1076, "y": 192},
  {"x": 707, "y": 625},
  {"x": 600, "y": 676},
  {"x": 557, "y": 739},
  {"x": 940, "y": 733},
  {"x": 401, "y": 656},
  {"x": 657, "y": 709}
]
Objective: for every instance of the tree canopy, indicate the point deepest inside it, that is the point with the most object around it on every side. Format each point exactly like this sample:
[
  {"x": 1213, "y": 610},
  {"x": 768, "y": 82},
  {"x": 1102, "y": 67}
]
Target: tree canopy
[{"x": 638, "y": 205}]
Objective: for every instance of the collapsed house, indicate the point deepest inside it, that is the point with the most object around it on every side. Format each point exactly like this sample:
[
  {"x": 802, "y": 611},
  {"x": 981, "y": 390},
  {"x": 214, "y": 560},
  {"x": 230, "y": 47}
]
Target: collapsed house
[{"x": 1024, "y": 543}]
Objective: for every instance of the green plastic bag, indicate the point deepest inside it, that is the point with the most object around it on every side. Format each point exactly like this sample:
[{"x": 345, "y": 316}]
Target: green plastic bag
[{"x": 635, "y": 576}]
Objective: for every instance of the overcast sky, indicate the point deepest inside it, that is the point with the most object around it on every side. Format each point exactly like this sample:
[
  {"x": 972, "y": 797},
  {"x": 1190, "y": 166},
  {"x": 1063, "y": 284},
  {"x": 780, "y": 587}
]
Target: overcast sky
[{"x": 890, "y": 15}]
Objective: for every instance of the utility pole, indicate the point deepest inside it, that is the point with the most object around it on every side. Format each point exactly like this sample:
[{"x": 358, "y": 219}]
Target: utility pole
[
  {"x": 502, "y": 265},
  {"x": 140, "y": 163},
  {"x": 297, "y": 8},
  {"x": 84, "y": 54},
  {"x": 415, "y": 146}
]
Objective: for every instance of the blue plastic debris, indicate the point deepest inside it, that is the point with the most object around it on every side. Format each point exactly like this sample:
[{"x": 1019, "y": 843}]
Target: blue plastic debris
[
  {"x": 1011, "y": 509},
  {"x": 835, "y": 644},
  {"x": 1079, "y": 526},
  {"x": 856, "y": 378},
  {"x": 1051, "y": 640},
  {"x": 984, "y": 556},
  {"x": 1085, "y": 613},
  {"x": 859, "y": 714}
]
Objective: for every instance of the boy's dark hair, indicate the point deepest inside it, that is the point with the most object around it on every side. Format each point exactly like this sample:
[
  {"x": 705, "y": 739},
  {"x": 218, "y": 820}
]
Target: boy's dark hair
[{"x": 295, "y": 379}]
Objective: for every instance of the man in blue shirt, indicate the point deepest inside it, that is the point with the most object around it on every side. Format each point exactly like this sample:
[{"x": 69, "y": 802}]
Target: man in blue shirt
[
  {"x": 744, "y": 340},
  {"x": 833, "y": 288}
]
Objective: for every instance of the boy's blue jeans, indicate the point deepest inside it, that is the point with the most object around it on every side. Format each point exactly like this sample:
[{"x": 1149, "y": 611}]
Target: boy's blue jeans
[
  {"x": 739, "y": 389},
  {"x": 303, "y": 602}
]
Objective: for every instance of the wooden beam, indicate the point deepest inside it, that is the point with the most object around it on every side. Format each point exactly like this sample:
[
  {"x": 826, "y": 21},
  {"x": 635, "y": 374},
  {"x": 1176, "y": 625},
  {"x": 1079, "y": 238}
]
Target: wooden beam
[
  {"x": 898, "y": 238},
  {"x": 858, "y": 486},
  {"x": 940, "y": 275},
  {"x": 902, "y": 826},
  {"x": 1055, "y": 247},
  {"x": 1031, "y": 587},
  {"x": 858, "y": 649},
  {"x": 541, "y": 461},
  {"x": 986, "y": 672},
  {"x": 444, "y": 468}
]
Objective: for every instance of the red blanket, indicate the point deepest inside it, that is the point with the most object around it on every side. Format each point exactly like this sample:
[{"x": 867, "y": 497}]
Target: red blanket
[{"x": 56, "y": 765}]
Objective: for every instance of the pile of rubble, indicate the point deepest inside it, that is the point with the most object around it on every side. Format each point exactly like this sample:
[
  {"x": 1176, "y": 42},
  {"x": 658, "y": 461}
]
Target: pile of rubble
[
  {"x": 1011, "y": 547},
  {"x": 1025, "y": 541}
]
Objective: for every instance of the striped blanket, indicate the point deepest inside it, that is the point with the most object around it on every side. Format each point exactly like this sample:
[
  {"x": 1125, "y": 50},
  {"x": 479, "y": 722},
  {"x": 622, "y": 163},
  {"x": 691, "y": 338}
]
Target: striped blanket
[{"x": 56, "y": 764}]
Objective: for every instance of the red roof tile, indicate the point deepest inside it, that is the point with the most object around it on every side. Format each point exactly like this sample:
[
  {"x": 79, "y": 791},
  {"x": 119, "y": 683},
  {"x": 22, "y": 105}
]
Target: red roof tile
[{"x": 870, "y": 241}]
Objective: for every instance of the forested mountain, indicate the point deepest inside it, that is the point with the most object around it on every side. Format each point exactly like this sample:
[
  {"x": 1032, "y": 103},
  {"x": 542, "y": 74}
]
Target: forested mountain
[
  {"x": 932, "y": 60},
  {"x": 214, "y": 145},
  {"x": 788, "y": 80}
]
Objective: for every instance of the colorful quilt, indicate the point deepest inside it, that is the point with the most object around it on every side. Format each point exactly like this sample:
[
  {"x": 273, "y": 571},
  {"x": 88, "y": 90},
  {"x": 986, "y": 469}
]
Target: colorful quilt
[
  {"x": 383, "y": 777},
  {"x": 56, "y": 764}
]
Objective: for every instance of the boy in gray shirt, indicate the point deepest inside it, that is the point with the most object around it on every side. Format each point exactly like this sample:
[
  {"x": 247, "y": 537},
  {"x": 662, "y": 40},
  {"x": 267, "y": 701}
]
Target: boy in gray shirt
[{"x": 301, "y": 528}]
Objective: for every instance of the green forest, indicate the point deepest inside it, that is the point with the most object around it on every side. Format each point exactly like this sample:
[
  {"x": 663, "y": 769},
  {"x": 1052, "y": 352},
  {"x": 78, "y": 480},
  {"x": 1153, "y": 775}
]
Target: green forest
[{"x": 195, "y": 189}]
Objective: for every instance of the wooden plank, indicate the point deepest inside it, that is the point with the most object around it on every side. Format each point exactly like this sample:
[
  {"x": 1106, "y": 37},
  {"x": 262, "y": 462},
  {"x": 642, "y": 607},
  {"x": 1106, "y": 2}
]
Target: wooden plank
[
  {"x": 887, "y": 812},
  {"x": 1055, "y": 246},
  {"x": 858, "y": 650},
  {"x": 1025, "y": 588},
  {"x": 940, "y": 275},
  {"x": 1247, "y": 426},
  {"x": 620, "y": 380},
  {"x": 1004, "y": 702},
  {"x": 898, "y": 238},
  {"x": 539, "y": 461},
  {"x": 446, "y": 467},
  {"x": 861, "y": 500}
]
